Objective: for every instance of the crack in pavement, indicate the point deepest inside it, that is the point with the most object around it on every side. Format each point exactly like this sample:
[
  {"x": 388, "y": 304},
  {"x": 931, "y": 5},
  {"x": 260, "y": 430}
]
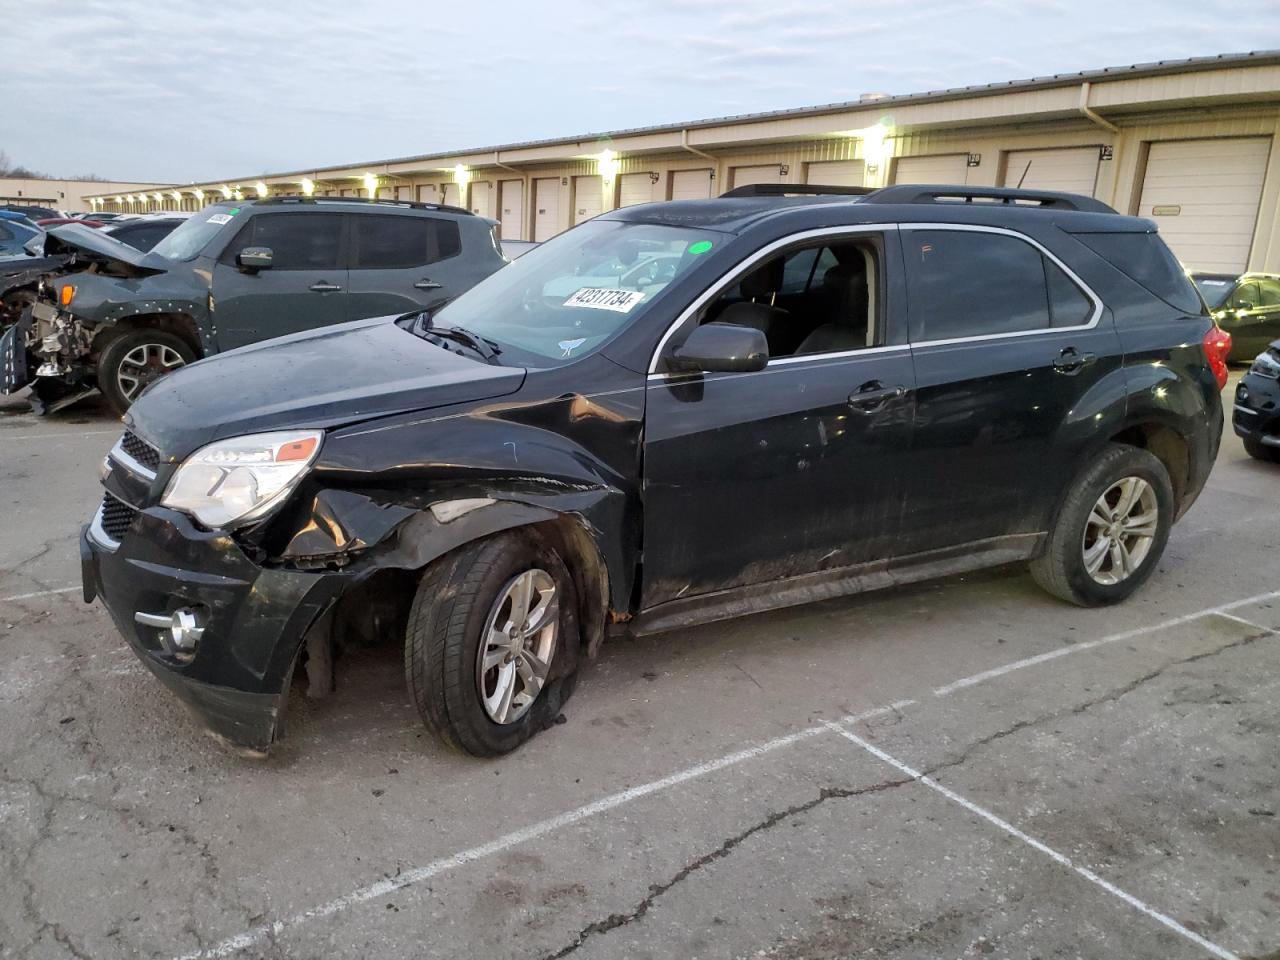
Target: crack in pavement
[
  {"x": 613, "y": 921},
  {"x": 616, "y": 920}
]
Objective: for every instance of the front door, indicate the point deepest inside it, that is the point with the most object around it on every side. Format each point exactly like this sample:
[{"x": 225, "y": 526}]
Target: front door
[
  {"x": 799, "y": 467},
  {"x": 305, "y": 287},
  {"x": 1007, "y": 347}
]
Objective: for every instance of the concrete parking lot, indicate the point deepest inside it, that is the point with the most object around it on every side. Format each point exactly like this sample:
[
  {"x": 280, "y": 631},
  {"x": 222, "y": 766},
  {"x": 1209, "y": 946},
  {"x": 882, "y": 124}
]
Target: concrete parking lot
[{"x": 965, "y": 768}]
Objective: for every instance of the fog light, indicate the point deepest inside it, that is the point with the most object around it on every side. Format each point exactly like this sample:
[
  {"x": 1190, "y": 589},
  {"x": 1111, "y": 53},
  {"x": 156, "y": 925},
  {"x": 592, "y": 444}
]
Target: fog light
[{"x": 180, "y": 631}]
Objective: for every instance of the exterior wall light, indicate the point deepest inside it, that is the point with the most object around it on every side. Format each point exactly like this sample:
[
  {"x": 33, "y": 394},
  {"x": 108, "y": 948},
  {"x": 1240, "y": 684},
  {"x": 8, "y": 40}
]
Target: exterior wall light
[
  {"x": 261, "y": 188},
  {"x": 308, "y": 187},
  {"x": 226, "y": 192},
  {"x": 370, "y": 184},
  {"x": 200, "y": 196},
  {"x": 461, "y": 175},
  {"x": 607, "y": 164}
]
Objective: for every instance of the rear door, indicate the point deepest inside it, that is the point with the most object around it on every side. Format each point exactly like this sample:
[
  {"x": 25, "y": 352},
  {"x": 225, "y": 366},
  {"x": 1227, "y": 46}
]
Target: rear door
[
  {"x": 305, "y": 287},
  {"x": 1007, "y": 343},
  {"x": 800, "y": 467},
  {"x": 400, "y": 262}
]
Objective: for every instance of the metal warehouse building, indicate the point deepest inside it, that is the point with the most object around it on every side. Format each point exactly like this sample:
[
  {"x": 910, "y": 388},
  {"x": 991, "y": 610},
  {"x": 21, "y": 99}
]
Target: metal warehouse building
[{"x": 1189, "y": 143}]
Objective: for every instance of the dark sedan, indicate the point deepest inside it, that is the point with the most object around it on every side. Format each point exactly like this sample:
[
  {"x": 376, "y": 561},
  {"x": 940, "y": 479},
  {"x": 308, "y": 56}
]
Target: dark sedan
[
  {"x": 1247, "y": 306},
  {"x": 1256, "y": 417}
]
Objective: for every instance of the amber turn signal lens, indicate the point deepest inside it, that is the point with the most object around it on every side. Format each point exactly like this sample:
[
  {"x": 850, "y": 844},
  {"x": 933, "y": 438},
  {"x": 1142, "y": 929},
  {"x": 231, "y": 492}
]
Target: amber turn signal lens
[
  {"x": 64, "y": 297},
  {"x": 297, "y": 450}
]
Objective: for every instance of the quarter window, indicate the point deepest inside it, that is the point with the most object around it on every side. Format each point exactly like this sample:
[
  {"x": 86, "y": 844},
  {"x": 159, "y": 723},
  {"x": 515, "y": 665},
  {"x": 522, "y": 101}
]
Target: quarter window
[
  {"x": 1246, "y": 296},
  {"x": 970, "y": 284},
  {"x": 397, "y": 243},
  {"x": 298, "y": 241},
  {"x": 1270, "y": 292}
]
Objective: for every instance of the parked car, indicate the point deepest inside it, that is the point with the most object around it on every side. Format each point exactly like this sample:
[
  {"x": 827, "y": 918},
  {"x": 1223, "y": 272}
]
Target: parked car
[
  {"x": 830, "y": 393},
  {"x": 1256, "y": 417},
  {"x": 32, "y": 213},
  {"x": 144, "y": 234},
  {"x": 97, "y": 215},
  {"x": 17, "y": 233},
  {"x": 267, "y": 267},
  {"x": 1246, "y": 305},
  {"x": 59, "y": 221}
]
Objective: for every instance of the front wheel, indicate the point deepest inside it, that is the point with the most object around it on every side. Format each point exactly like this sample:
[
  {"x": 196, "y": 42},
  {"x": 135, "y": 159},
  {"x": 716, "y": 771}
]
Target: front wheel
[
  {"x": 1111, "y": 530},
  {"x": 1260, "y": 451},
  {"x": 491, "y": 643},
  {"x": 133, "y": 361}
]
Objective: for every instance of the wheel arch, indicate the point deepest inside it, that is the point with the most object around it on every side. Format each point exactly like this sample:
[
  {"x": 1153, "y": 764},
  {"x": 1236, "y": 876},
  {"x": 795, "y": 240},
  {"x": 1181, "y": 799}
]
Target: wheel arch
[{"x": 179, "y": 323}]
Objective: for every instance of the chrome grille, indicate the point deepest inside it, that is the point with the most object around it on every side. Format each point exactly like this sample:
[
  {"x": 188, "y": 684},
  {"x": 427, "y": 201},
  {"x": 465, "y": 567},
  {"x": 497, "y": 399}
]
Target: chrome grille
[
  {"x": 116, "y": 517},
  {"x": 140, "y": 450}
]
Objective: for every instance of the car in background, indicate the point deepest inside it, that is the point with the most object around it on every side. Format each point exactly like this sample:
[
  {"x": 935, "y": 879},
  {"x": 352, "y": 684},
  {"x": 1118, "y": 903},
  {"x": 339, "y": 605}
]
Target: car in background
[
  {"x": 145, "y": 233},
  {"x": 1256, "y": 413},
  {"x": 98, "y": 215},
  {"x": 1247, "y": 306},
  {"x": 17, "y": 233},
  {"x": 59, "y": 221},
  {"x": 269, "y": 267},
  {"x": 34, "y": 213}
]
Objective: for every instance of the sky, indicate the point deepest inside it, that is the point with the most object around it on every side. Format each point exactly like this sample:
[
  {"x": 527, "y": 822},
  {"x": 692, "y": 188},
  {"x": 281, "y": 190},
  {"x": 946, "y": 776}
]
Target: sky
[{"x": 182, "y": 91}]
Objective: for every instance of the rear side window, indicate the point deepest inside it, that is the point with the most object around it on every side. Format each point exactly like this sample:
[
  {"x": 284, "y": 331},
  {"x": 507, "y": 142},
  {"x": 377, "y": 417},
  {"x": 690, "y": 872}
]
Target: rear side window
[
  {"x": 973, "y": 284},
  {"x": 1143, "y": 257},
  {"x": 298, "y": 241},
  {"x": 1270, "y": 292},
  {"x": 396, "y": 243}
]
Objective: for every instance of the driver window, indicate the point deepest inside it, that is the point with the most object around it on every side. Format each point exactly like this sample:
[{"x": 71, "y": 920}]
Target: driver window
[
  {"x": 1245, "y": 297},
  {"x": 812, "y": 300}
]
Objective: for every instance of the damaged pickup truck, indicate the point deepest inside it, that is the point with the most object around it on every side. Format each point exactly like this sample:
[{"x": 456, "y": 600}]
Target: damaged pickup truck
[
  {"x": 757, "y": 400},
  {"x": 97, "y": 314}
]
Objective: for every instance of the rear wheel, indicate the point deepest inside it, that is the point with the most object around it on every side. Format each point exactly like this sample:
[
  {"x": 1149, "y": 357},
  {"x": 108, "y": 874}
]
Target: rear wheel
[
  {"x": 1260, "y": 451},
  {"x": 1111, "y": 530},
  {"x": 136, "y": 359},
  {"x": 491, "y": 643}
]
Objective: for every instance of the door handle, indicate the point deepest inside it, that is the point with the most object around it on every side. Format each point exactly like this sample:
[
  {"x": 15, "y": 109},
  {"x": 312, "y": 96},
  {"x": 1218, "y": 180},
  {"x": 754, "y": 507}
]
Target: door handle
[
  {"x": 1071, "y": 361},
  {"x": 425, "y": 284},
  {"x": 873, "y": 395},
  {"x": 324, "y": 286}
]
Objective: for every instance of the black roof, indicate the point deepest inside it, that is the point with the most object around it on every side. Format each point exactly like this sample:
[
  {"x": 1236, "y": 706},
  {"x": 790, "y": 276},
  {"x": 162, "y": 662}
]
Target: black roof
[{"x": 738, "y": 209}]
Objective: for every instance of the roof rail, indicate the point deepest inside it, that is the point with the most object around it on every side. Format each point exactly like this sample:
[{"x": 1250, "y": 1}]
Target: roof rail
[
  {"x": 412, "y": 204},
  {"x": 796, "y": 189},
  {"x": 942, "y": 193}
]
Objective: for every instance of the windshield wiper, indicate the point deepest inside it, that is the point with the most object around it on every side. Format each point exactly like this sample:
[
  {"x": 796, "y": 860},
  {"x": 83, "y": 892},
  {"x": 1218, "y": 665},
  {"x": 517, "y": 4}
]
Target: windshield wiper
[{"x": 481, "y": 345}]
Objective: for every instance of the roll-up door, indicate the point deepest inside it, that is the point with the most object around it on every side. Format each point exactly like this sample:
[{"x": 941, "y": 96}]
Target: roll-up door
[
  {"x": 690, "y": 184},
  {"x": 587, "y": 200},
  {"x": 1204, "y": 196},
  {"x": 511, "y": 208},
  {"x": 546, "y": 208},
  {"x": 944, "y": 168},
  {"x": 635, "y": 188},
  {"x": 835, "y": 173},
  {"x": 1074, "y": 169}
]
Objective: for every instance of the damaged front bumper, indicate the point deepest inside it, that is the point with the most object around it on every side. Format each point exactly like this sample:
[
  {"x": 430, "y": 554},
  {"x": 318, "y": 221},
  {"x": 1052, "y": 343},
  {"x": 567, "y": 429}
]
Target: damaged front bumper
[
  {"x": 45, "y": 343},
  {"x": 244, "y": 623}
]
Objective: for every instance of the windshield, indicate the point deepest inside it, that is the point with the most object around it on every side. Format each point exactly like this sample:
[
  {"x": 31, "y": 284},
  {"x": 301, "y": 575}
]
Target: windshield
[
  {"x": 1215, "y": 290},
  {"x": 195, "y": 232},
  {"x": 565, "y": 298}
]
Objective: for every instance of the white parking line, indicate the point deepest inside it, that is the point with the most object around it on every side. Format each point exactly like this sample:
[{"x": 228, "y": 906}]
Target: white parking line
[
  {"x": 255, "y": 935},
  {"x": 38, "y": 593},
  {"x": 60, "y": 436},
  {"x": 1102, "y": 641},
  {"x": 1035, "y": 844}
]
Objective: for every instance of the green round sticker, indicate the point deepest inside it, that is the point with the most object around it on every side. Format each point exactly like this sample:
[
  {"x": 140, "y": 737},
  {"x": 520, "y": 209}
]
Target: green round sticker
[{"x": 702, "y": 246}]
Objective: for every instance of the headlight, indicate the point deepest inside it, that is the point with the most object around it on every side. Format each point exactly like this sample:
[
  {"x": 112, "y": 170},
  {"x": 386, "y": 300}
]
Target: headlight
[
  {"x": 235, "y": 481},
  {"x": 1264, "y": 365}
]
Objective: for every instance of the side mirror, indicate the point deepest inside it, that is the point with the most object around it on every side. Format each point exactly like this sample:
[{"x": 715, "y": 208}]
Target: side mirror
[
  {"x": 253, "y": 259},
  {"x": 722, "y": 348}
]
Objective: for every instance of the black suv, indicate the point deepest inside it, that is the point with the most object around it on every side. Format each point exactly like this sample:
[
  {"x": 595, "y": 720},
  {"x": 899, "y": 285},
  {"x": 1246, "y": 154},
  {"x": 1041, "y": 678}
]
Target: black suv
[
  {"x": 233, "y": 274},
  {"x": 673, "y": 413}
]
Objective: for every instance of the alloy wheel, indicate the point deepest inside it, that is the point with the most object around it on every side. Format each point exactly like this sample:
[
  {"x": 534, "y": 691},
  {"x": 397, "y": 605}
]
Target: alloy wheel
[
  {"x": 143, "y": 364},
  {"x": 518, "y": 645},
  {"x": 1120, "y": 530}
]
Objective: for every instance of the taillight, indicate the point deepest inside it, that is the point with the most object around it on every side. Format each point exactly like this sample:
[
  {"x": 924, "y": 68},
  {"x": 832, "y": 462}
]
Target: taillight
[{"x": 1217, "y": 346}]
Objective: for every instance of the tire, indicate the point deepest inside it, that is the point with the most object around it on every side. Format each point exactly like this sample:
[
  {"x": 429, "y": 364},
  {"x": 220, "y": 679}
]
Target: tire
[
  {"x": 1260, "y": 451},
  {"x": 133, "y": 360},
  {"x": 457, "y": 598},
  {"x": 1064, "y": 569}
]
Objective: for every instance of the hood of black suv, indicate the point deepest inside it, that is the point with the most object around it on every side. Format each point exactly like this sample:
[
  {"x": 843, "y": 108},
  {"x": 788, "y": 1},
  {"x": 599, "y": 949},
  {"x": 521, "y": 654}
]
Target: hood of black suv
[
  {"x": 92, "y": 244},
  {"x": 318, "y": 379}
]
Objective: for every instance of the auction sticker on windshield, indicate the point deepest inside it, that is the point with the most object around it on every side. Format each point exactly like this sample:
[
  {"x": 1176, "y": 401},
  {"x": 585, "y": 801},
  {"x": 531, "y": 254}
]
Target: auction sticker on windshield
[{"x": 602, "y": 298}]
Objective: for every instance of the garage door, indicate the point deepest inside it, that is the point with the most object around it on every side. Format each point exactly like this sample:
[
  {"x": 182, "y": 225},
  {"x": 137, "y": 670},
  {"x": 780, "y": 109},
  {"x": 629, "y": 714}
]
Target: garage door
[
  {"x": 635, "y": 188},
  {"x": 482, "y": 198},
  {"x": 1074, "y": 170},
  {"x": 745, "y": 176},
  {"x": 690, "y": 184},
  {"x": 404, "y": 193},
  {"x": 945, "y": 168},
  {"x": 1204, "y": 194},
  {"x": 546, "y": 208},
  {"x": 511, "y": 198},
  {"x": 587, "y": 201},
  {"x": 835, "y": 173},
  {"x": 427, "y": 193},
  {"x": 452, "y": 195}
]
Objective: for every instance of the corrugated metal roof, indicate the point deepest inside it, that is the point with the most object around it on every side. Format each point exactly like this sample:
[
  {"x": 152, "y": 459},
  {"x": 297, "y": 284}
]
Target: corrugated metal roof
[{"x": 1133, "y": 71}]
